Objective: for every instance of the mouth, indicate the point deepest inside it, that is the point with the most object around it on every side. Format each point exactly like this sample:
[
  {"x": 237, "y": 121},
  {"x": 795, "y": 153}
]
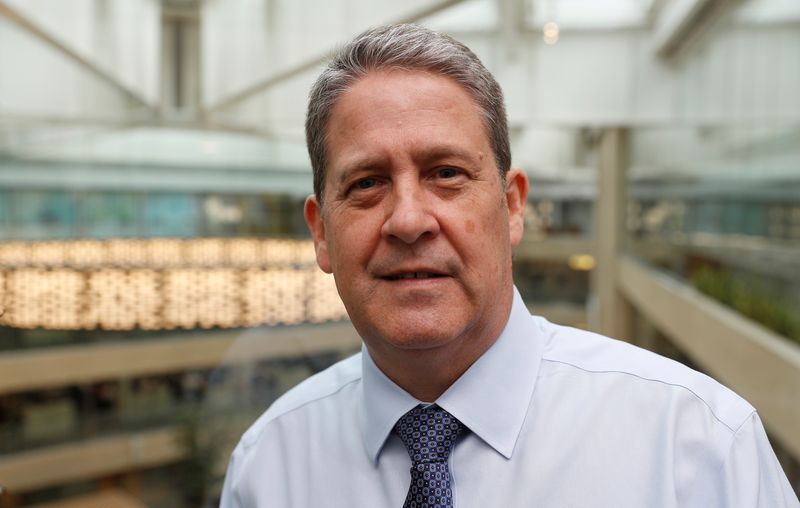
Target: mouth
[{"x": 413, "y": 275}]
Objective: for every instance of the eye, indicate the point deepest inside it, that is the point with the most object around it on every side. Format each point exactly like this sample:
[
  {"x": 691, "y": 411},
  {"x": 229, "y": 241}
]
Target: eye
[
  {"x": 365, "y": 183},
  {"x": 447, "y": 173}
]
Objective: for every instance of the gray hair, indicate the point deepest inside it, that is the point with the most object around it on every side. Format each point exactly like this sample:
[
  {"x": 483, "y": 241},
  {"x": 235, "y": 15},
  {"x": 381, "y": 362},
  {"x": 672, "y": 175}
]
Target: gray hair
[{"x": 409, "y": 47}]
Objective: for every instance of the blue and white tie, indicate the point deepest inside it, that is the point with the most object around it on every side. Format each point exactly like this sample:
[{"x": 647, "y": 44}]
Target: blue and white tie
[{"x": 429, "y": 434}]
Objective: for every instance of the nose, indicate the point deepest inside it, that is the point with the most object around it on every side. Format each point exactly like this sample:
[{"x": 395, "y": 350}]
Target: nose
[{"x": 410, "y": 216}]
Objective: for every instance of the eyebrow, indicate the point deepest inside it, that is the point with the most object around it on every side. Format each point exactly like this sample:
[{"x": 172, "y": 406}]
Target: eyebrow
[
  {"x": 422, "y": 156},
  {"x": 359, "y": 164},
  {"x": 446, "y": 152}
]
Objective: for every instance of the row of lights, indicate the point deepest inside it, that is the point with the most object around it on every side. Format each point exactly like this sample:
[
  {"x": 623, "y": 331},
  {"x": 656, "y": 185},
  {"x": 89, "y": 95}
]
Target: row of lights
[
  {"x": 156, "y": 253},
  {"x": 189, "y": 298}
]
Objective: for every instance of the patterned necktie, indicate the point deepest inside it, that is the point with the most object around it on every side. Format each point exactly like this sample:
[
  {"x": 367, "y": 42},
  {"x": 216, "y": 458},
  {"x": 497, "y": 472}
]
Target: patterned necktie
[{"x": 429, "y": 434}]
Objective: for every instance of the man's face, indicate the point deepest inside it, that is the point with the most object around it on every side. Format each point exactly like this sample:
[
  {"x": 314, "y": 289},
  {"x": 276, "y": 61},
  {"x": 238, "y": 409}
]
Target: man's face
[{"x": 416, "y": 225}]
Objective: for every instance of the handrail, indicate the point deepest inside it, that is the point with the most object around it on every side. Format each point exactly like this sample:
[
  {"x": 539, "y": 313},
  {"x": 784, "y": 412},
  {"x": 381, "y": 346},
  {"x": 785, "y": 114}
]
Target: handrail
[
  {"x": 68, "y": 365},
  {"x": 757, "y": 363}
]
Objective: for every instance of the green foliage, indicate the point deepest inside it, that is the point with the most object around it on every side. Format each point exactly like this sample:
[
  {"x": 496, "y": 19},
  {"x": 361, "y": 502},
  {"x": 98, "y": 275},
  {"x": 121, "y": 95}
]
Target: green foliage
[{"x": 755, "y": 302}]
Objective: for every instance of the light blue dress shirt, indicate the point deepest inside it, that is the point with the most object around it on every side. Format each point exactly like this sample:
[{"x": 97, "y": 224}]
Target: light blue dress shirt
[{"x": 558, "y": 417}]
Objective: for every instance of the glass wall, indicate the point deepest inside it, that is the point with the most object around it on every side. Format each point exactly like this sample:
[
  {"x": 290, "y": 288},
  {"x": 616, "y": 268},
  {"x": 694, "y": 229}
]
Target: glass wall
[{"x": 27, "y": 214}]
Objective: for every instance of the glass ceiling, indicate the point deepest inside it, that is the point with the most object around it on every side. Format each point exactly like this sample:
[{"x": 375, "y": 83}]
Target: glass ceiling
[
  {"x": 213, "y": 84},
  {"x": 590, "y": 14}
]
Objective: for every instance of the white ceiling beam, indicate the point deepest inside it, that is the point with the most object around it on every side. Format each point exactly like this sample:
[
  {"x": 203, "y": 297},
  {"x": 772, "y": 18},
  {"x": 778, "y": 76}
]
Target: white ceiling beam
[
  {"x": 42, "y": 35},
  {"x": 680, "y": 23},
  {"x": 315, "y": 61}
]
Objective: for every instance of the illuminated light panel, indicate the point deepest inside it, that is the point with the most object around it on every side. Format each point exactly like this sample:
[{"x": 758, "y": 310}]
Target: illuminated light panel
[
  {"x": 36, "y": 297},
  {"x": 550, "y": 32},
  {"x": 123, "y": 300},
  {"x": 158, "y": 253},
  {"x": 161, "y": 284},
  {"x": 581, "y": 262}
]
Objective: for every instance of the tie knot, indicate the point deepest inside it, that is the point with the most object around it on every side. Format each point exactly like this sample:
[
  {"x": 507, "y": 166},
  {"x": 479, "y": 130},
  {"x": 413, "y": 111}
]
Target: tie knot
[{"x": 429, "y": 433}]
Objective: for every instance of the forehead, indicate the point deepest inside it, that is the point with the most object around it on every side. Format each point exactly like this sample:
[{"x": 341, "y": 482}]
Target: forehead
[{"x": 403, "y": 111}]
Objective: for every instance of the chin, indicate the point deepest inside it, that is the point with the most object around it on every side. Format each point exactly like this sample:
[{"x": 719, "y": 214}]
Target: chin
[
  {"x": 406, "y": 335},
  {"x": 419, "y": 341}
]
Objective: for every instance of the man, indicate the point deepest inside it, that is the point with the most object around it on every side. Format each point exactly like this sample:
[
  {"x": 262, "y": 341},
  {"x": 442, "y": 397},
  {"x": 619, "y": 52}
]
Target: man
[{"x": 459, "y": 396}]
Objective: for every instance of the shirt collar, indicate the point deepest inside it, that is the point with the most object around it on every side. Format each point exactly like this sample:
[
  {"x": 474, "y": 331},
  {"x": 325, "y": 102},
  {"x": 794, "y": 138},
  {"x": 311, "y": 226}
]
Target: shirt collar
[
  {"x": 491, "y": 397},
  {"x": 383, "y": 403}
]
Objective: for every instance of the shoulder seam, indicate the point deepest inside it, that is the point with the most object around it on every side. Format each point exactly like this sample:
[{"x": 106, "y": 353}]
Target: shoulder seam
[
  {"x": 745, "y": 420},
  {"x": 701, "y": 399},
  {"x": 732, "y": 443}
]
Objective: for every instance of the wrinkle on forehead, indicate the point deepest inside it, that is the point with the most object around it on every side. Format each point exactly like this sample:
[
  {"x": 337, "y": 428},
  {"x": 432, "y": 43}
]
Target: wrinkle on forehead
[{"x": 415, "y": 87}]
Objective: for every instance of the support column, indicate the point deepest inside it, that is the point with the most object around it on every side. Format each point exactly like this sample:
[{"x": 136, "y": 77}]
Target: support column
[
  {"x": 611, "y": 314},
  {"x": 645, "y": 334}
]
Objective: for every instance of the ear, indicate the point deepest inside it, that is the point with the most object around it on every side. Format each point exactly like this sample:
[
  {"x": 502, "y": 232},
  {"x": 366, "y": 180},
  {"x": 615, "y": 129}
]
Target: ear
[
  {"x": 516, "y": 199},
  {"x": 312, "y": 211}
]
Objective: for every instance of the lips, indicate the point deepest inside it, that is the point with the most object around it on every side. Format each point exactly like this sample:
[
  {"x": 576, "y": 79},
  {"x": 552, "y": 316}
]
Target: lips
[
  {"x": 413, "y": 275},
  {"x": 410, "y": 272}
]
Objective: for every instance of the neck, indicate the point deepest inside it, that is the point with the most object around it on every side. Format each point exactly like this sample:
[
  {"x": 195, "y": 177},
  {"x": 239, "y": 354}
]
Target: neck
[{"x": 427, "y": 373}]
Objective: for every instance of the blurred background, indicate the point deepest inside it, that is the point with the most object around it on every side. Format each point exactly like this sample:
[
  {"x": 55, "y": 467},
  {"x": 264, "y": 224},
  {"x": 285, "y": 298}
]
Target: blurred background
[{"x": 157, "y": 283}]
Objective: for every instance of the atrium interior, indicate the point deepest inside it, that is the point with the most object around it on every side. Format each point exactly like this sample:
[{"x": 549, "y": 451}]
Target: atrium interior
[{"x": 158, "y": 284}]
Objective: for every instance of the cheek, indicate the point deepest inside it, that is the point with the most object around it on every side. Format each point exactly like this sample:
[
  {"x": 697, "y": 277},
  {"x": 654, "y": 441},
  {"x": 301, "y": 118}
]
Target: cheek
[{"x": 354, "y": 241}]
